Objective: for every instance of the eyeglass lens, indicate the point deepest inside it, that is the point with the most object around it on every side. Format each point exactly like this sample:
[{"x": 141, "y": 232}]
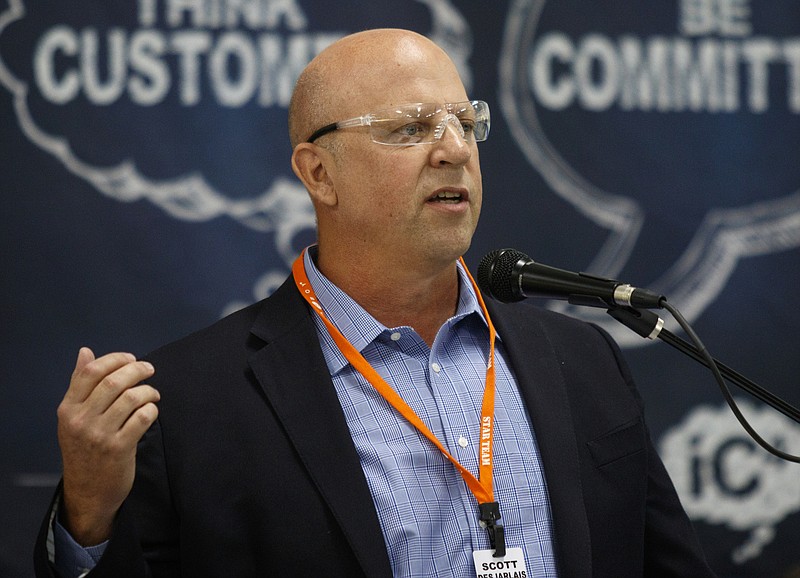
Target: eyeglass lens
[{"x": 426, "y": 123}]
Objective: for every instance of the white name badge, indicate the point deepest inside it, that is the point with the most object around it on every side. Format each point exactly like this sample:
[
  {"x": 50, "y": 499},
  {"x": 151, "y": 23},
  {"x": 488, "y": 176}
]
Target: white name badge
[{"x": 512, "y": 565}]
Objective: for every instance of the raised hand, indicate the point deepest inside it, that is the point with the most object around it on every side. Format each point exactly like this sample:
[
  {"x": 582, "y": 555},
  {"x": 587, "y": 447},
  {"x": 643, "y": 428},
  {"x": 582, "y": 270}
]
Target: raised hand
[{"x": 103, "y": 415}]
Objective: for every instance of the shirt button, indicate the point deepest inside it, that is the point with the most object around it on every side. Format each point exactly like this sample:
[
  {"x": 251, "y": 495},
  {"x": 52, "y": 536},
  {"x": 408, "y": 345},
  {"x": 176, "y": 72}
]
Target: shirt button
[
  {"x": 463, "y": 442},
  {"x": 436, "y": 367},
  {"x": 396, "y": 336}
]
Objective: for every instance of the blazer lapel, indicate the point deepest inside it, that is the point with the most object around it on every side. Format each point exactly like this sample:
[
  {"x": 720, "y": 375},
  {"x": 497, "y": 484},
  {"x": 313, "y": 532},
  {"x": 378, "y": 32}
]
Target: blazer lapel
[
  {"x": 295, "y": 379},
  {"x": 542, "y": 386}
]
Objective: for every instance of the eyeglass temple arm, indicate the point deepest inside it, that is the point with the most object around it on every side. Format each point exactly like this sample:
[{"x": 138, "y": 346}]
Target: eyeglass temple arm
[
  {"x": 357, "y": 121},
  {"x": 323, "y": 131}
]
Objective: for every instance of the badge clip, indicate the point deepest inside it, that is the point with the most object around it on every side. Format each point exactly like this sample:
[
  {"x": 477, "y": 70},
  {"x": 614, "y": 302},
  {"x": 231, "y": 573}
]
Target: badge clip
[{"x": 490, "y": 513}]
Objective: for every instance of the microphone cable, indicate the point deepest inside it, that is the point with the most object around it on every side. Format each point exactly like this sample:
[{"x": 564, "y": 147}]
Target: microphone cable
[{"x": 711, "y": 363}]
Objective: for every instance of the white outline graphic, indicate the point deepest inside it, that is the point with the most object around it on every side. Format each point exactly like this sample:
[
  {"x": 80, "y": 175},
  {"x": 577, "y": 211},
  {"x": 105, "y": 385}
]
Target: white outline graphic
[
  {"x": 284, "y": 208},
  {"x": 725, "y": 236},
  {"x": 723, "y": 477}
]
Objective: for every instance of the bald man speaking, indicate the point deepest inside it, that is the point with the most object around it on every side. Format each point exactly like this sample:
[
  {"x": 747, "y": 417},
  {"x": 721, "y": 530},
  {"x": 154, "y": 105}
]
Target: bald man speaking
[{"x": 374, "y": 416}]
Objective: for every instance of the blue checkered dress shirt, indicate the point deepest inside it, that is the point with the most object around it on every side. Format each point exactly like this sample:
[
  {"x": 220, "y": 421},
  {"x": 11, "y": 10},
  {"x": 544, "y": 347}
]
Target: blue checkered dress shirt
[{"x": 427, "y": 513}]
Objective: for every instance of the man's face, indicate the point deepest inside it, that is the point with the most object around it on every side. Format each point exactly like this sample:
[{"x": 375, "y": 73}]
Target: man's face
[{"x": 407, "y": 202}]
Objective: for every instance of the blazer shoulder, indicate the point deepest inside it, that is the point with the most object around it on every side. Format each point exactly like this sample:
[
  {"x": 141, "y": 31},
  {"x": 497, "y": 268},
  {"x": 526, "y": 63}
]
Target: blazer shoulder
[{"x": 240, "y": 333}]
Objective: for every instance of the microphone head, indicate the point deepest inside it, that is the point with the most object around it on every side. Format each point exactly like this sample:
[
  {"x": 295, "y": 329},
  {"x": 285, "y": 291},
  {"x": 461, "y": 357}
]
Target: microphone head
[{"x": 496, "y": 274}]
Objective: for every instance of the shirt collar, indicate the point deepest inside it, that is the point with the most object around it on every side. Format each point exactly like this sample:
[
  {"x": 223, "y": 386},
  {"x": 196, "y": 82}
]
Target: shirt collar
[{"x": 357, "y": 325}]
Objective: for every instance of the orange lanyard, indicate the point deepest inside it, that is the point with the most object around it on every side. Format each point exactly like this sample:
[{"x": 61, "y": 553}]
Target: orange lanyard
[{"x": 480, "y": 487}]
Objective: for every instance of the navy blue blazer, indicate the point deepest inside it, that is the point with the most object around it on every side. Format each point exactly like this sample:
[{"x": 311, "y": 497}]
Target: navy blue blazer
[{"x": 250, "y": 469}]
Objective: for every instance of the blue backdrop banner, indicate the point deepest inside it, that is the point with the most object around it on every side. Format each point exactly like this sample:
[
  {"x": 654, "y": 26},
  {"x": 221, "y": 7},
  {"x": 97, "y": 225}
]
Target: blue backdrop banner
[{"x": 146, "y": 192}]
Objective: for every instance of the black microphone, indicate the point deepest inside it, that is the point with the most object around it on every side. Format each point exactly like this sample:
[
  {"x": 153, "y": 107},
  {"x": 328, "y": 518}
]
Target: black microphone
[{"x": 509, "y": 275}]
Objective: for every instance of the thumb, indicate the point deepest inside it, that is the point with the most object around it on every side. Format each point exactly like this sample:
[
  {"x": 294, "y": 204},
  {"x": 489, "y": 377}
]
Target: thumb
[{"x": 85, "y": 356}]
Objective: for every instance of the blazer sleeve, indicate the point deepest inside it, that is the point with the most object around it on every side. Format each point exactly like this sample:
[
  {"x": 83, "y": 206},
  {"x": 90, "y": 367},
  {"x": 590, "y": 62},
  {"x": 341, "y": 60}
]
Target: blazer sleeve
[
  {"x": 124, "y": 556},
  {"x": 671, "y": 546}
]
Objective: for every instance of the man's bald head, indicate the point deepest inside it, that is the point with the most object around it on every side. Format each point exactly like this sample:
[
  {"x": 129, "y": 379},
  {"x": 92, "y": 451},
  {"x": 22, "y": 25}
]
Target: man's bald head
[{"x": 345, "y": 74}]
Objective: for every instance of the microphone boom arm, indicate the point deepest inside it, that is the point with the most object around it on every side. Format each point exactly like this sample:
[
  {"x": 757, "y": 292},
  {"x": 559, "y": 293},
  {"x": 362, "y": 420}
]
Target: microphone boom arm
[{"x": 648, "y": 324}]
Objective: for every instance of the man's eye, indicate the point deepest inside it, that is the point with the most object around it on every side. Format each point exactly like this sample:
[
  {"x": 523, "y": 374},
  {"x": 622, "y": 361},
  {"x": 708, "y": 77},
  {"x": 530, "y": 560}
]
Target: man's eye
[
  {"x": 411, "y": 132},
  {"x": 412, "y": 129}
]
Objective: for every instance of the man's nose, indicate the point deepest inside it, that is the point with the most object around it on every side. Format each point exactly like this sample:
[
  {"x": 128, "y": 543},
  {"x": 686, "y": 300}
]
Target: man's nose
[{"x": 451, "y": 146}]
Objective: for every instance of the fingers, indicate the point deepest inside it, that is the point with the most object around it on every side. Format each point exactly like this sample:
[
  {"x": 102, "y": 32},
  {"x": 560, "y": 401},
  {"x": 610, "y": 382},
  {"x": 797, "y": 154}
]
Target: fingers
[
  {"x": 113, "y": 434},
  {"x": 89, "y": 371},
  {"x": 132, "y": 413},
  {"x": 104, "y": 398},
  {"x": 119, "y": 385},
  {"x": 100, "y": 381}
]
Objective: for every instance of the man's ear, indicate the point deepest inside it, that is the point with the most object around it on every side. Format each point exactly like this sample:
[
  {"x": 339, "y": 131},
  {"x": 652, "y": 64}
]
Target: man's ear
[{"x": 310, "y": 163}]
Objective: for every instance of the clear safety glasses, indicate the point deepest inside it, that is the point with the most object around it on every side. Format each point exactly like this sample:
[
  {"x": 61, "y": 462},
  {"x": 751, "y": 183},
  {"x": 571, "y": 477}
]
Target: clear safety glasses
[{"x": 419, "y": 123}]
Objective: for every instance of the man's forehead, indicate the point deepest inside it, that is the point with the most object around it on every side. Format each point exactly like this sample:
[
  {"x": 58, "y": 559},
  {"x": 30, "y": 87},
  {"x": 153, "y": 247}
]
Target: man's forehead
[
  {"x": 372, "y": 72},
  {"x": 389, "y": 92}
]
